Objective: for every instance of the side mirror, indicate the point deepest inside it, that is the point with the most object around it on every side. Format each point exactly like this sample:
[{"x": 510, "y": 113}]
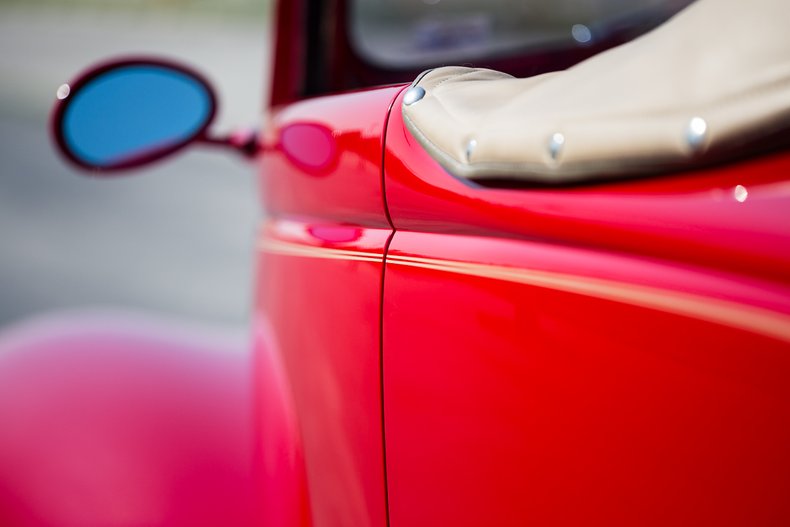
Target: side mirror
[{"x": 127, "y": 113}]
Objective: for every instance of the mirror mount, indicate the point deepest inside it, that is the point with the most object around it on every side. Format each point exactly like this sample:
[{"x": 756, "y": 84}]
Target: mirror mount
[{"x": 245, "y": 141}]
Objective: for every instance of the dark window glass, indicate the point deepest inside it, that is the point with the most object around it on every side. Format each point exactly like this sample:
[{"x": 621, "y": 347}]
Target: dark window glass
[{"x": 401, "y": 34}]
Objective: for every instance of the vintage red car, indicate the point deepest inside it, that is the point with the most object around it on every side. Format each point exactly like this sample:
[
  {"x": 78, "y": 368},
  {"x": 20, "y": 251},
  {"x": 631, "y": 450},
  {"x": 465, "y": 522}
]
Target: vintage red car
[{"x": 549, "y": 287}]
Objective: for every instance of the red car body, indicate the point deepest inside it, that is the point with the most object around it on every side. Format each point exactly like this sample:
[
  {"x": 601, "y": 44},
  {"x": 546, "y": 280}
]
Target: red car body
[{"x": 433, "y": 352}]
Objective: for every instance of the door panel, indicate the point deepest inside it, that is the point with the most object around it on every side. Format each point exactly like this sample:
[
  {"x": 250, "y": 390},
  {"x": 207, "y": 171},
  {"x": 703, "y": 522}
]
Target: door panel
[
  {"x": 526, "y": 384},
  {"x": 613, "y": 354}
]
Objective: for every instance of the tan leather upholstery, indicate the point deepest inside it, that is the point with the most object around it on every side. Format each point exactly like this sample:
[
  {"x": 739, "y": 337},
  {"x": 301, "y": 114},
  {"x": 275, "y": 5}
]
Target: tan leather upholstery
[{"x": 721, "y": 67}]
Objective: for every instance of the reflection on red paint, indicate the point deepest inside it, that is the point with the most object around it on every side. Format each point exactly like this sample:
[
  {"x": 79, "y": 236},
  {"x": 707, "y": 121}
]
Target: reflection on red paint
[
  {"x": 310, "y": 146},
  {"x": 335, "y": 233}
]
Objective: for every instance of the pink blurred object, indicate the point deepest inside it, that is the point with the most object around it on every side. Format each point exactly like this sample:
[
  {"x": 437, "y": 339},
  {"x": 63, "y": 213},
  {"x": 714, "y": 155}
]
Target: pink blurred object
[{"x": 119, "y": 419}]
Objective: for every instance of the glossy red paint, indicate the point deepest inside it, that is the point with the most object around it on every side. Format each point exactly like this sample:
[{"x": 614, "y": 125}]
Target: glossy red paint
[
  {"x": 123, "y": 420},
  {"x": 283, "y": 497},
  {"x": 320, "y": 263},
  {"x": 323, "y": 159},
  {"x": 321, "y": 298},
  {"x": 690, "y": 217},
  {"x": 610, "y": 354},
  {"x": 512, "y": 402}
]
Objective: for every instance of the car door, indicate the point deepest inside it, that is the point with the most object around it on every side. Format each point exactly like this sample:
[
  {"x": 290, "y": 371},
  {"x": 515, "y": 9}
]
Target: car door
[{"x": 604, "y": 354}]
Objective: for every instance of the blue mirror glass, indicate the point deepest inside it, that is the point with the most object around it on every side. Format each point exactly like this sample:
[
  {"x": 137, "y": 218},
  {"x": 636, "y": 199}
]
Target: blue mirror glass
[{"x": 131, "y": 114}]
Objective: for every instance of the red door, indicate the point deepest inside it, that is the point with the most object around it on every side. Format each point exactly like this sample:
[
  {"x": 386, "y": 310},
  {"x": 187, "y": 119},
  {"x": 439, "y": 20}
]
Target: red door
[{"x": 612, "y": 354}]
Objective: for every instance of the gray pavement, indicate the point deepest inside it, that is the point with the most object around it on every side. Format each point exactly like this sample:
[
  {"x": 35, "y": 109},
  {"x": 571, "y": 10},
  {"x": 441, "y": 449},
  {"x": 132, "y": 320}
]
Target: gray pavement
[{"x": 174, "y": 239}]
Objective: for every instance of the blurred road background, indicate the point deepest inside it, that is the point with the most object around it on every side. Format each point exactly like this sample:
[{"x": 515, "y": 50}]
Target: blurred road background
[{"x": 175, "y": 239}]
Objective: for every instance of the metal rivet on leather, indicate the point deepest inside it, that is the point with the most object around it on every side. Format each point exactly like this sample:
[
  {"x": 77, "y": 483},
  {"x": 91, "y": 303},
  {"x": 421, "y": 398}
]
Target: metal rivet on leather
[
  {"x": 470, "y": 148},
  {"x": 413, "y": 95},
  {"x": 696, "y": 130},
  {"x": 556, "y": 144}
]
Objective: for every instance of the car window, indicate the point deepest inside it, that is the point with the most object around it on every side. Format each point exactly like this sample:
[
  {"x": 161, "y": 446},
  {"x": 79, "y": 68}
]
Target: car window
[{"x": 399, "y": 34}]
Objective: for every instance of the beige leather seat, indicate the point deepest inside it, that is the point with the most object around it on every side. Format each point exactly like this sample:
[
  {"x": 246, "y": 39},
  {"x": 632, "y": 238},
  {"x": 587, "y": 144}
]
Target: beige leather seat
[{"x": 710, "y": 83}]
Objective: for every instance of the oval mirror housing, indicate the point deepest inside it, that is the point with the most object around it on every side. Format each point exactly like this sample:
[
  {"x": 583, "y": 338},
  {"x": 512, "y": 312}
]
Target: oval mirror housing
[{"x": 128, "y": 113}]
